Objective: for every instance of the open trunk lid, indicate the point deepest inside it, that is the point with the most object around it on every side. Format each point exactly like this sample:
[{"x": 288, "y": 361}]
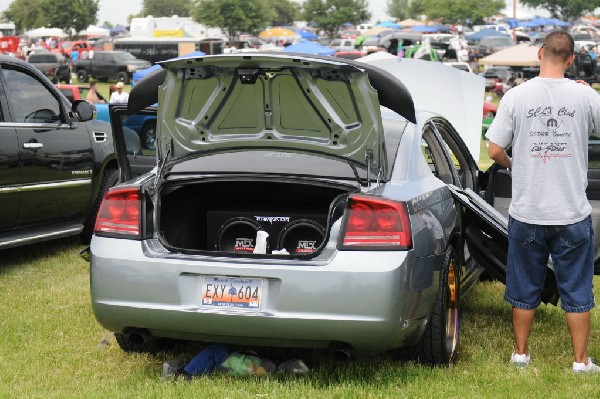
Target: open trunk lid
[{"x": 234, "y": 103}]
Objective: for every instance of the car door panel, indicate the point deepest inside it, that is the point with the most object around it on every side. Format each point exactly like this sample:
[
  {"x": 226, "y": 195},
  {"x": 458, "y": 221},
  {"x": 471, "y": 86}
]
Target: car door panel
[
  {"x": 10, "y": 177},
  {"x": 486, "y": 232},
  {"x": 55, "y": 183}
]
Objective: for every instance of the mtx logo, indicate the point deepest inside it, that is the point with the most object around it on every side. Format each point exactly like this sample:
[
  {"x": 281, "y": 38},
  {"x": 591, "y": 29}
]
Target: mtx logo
[
  {"x": 305, "y": 246},
  {"x": 244, "y": 244}
]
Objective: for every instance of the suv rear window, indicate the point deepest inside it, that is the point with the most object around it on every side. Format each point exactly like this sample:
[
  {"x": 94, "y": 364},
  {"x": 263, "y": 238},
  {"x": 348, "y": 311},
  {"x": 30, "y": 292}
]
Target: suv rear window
[{"x": 39, "y": 58}]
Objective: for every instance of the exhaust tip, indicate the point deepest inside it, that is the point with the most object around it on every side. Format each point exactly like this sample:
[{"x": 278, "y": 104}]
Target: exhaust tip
[{"x": 341, "y": 351}]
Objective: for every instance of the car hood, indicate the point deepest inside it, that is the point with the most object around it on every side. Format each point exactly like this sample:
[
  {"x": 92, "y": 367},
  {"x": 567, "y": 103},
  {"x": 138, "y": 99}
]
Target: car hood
[
  {"x": 456, "y": 95},
  {"x": 292, "y": 103}
]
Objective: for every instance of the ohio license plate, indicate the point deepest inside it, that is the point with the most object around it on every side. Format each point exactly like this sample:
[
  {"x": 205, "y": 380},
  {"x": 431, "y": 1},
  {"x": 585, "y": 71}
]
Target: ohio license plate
[{"x": 232, "y": 293}]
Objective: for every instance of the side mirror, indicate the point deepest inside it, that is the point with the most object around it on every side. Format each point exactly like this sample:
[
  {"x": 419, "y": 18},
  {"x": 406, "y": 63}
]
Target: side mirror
[{"x": 83, "y": 110}]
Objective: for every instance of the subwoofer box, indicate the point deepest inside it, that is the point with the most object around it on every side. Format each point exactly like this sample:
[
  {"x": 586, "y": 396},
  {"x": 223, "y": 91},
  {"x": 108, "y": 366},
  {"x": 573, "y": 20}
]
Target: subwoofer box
[{"x": 273, "y": 222}]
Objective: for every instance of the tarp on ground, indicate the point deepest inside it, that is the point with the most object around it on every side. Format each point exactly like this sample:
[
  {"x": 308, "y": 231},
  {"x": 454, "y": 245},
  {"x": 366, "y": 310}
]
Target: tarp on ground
[
  {"x": 521, "y": 55},
  {"x": 306, "y": 47}
]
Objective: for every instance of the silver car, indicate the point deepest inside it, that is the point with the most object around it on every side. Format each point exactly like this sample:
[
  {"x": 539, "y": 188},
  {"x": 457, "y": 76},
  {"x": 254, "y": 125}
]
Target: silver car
[{"x": 298, "y": 201}]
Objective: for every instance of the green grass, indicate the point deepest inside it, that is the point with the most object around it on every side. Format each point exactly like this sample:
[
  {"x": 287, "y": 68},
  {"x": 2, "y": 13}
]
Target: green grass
[{"x": 50, "y": 348}]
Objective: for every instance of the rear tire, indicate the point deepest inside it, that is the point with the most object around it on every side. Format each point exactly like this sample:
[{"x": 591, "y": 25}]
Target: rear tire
[
  {"x": 439, "y": 344},
  {"x": 149, "y": 136},
  {"x": 110, "y": 177},
  {"x": 82, "y": 76},
  {"x": 123, "y": 77}
]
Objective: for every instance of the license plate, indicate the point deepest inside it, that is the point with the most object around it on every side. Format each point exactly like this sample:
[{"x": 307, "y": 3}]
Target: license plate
[{"x": 232, "y": 293}]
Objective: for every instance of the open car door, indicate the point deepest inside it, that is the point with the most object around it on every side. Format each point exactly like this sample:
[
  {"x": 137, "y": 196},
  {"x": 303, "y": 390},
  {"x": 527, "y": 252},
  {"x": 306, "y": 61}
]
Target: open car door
[{"x": 486, "y": 234}]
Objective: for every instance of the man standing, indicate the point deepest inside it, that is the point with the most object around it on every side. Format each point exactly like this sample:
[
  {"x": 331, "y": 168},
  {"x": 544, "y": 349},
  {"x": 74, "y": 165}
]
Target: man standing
[
  {"x": 119, "y": 96},
  {"x": 547, "y": 121}
]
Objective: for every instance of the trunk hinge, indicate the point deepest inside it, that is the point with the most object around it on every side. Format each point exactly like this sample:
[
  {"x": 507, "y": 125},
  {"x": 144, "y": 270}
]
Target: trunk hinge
[
  {"x": 161, "y": 167},
  {"x": 368, "y": 158}
]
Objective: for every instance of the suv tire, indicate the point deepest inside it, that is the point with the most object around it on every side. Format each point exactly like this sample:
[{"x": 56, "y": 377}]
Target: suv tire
[
  {"x": 123, "y": 77},
  {"x": 110, "y": 177},
  {"x": 82, "y": 76}
]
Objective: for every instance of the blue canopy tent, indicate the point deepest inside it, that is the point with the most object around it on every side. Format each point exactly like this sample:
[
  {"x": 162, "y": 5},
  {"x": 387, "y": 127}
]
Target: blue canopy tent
[
  {"x": 549, "y": 21},
  {"x": 424, "y": 29},
  {"x": 483, "y": 33},
  {"x": 117, "y": 29},
  {"x": 137, "y": 75},
  {"x": 306, "y": 34},
  {"x": 388, "y": 24},
  {"x": 306, "y": 47},
  {"x": 559, "y": 22},
  {"x": 441, "y": 28}
]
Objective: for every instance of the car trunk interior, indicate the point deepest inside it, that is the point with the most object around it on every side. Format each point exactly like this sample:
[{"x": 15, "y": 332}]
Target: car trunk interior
[{"x": 225, "y": 215}]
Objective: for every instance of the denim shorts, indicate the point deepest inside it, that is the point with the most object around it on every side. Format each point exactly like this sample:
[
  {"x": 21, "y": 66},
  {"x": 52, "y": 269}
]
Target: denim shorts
[{"x": 572, "y": 250}]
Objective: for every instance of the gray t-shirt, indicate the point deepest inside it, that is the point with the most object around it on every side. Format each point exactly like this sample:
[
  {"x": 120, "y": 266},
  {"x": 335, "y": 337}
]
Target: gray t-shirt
[{"x": 548, "y": 122}]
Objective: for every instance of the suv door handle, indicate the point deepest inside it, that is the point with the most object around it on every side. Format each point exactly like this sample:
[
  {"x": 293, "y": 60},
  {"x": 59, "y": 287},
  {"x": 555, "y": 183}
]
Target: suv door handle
[{"x": 32, "y": 146}]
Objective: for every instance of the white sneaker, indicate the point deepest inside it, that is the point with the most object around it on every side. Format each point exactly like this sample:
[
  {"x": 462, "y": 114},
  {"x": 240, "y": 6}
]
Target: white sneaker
[
  {"x": 590, "y": 367},
  {"x": 520, "y": 360}
]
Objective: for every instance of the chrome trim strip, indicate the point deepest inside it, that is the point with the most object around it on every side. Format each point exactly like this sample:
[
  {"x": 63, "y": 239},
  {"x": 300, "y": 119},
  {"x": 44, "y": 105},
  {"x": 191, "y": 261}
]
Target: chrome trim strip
[
  {"x": 45, "y": 186},
  {"x": 55, "y": 234},
  {"x": 38, "y": 126}
]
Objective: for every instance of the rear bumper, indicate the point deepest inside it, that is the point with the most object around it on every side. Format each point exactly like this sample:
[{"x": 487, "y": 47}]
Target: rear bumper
[{"x": 364, "y": 299}]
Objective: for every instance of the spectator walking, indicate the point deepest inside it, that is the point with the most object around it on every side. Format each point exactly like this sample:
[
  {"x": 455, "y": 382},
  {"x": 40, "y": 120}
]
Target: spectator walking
[
  {"x": 119, "y": 96},
  {"x": 547, "y": 121},
  {"x": 93, "y": 96}
]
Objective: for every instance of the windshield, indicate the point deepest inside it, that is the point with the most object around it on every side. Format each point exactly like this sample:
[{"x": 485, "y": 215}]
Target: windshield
[{"x": 124, "y": 56}]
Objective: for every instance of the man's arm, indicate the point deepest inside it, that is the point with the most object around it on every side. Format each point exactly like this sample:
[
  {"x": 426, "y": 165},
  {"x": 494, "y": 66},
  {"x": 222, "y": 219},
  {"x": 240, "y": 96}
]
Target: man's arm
[{"x": 499, "y": 155}]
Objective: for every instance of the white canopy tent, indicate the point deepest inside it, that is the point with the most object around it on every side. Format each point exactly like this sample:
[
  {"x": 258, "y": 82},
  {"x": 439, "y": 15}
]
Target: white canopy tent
[
  {"x": 94, "y": 30},
  {"x": 46, "y": 32},
  {"x": 522, "y": 55}
]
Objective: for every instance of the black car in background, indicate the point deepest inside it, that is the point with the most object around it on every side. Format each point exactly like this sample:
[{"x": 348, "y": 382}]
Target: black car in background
[{"x": 52, "y": 65}]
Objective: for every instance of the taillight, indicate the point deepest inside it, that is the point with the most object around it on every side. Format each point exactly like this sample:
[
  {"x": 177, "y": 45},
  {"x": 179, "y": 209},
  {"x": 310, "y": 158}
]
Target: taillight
[
  {"x": 119, "y": 213},
  {"x": 375, "y": 224}
]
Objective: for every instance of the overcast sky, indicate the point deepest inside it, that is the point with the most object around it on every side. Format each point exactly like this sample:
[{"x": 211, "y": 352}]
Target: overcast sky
[{"x": 116, "y": 11}]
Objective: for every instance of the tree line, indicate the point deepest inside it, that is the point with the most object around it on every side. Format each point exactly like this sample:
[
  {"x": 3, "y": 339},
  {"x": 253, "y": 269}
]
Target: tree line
[{"x": 252, "y": 16}]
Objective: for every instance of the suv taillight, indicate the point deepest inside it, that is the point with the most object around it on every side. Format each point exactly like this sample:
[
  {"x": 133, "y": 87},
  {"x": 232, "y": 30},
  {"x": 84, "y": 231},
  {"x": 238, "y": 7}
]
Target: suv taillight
[
  {"x": 119, "y": 214},
  {"x": 375, "y": 224}
]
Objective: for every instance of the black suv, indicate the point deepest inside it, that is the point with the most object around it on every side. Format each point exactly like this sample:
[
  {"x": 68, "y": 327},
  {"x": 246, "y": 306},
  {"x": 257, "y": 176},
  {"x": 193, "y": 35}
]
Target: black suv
[
  {"x": 53, "y": 65},
  {"x": 56, "y": 163}
]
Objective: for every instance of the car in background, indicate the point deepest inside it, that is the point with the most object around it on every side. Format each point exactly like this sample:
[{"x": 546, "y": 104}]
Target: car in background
[
  {"x": 463, "y": 66},
  {"x": 489, "y": 113},
  {"x": 355, "y": 186},
  {"x": 492, "y": 44},
  {"x": 342, "y": 44},
  {"x": 52, "y": 65},
  {"x": 109, "y": 65},
  {"x": 495, "y": 75},
  {"x": 349, "y": 55}
]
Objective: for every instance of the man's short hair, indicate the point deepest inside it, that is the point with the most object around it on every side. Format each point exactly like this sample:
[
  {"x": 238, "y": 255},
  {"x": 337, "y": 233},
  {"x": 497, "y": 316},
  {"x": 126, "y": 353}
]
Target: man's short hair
[{"x": 559, "y": 45}]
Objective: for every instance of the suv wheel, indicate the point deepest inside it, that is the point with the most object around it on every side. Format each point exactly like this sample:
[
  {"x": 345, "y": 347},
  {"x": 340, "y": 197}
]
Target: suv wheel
[
  {"x": 123, "y": 77},
  {"x": 82, "y": 76},
  {"x": 109, "y": 179},
  {"x": 149, "y": 136}
]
